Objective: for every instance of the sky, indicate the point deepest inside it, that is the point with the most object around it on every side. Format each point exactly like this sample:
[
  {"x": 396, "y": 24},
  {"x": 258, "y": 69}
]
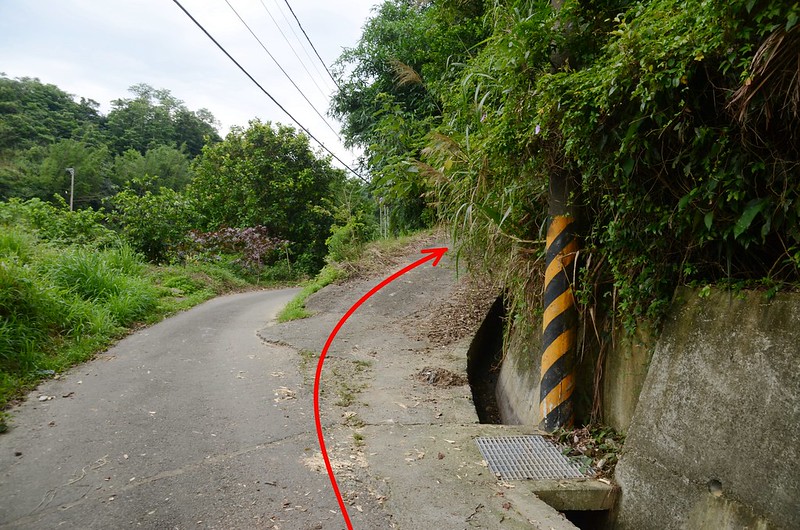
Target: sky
[{"x": 97, "y": 49}]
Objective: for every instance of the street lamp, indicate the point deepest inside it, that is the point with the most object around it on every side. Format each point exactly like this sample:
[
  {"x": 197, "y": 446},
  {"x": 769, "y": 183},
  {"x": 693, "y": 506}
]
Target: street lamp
[{"x": 71, "y": 171}]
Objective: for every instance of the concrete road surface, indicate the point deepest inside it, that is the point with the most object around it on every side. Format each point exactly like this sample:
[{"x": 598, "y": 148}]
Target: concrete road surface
[{"x": 185, "y": 424}]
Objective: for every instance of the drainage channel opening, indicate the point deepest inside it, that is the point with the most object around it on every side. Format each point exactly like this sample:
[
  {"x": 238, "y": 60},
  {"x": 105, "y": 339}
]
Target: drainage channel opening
[
  {"x": 484, "y": 358},
  {"x": 588, "y": 520},
  {"x": 533, "y": 457},
  {"x": 523, "y": 457}
]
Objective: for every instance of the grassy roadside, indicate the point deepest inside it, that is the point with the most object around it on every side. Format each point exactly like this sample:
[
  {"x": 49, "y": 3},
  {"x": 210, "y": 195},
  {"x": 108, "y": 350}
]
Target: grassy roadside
[
  {"x": 296, "y": 308},
  {"x": 61, "y": 303}
]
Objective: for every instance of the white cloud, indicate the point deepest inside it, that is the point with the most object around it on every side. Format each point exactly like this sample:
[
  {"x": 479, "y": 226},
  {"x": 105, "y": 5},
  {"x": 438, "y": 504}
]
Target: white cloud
[{"x": 97, "y": 49}]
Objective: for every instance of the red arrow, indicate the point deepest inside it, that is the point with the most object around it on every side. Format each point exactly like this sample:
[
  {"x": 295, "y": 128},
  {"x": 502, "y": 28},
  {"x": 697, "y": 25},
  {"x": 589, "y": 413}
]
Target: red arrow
[{"x": 434, "y": 254}]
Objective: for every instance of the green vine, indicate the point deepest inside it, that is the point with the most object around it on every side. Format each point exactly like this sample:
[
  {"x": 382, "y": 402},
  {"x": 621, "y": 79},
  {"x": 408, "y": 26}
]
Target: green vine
[{"x": 634, "y": 102}]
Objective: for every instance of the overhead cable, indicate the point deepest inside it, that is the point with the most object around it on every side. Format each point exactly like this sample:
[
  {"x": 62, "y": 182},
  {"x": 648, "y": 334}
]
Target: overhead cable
[
  {"x": 284, "y": 71},
  {"x": 312, "y": 44},
  {"x": 299, "y": 59},
  {"x": 245, "y": 72},
  {"x": 289, "y": 25}
]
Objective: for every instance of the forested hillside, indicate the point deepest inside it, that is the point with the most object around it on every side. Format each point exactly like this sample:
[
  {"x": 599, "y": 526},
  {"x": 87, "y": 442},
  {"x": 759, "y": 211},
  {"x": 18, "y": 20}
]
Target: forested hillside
[
  {"x": 673, "y": 124},
  {"x": 160, "y": 171},
  {"x": 43, "y": 130}
]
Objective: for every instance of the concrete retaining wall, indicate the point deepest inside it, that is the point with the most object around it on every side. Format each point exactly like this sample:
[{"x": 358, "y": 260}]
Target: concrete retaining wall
[
  {"x": 624, "y": 370},
  {"x": 517, "y": 388},
  {"x": 715, "y": 439}
]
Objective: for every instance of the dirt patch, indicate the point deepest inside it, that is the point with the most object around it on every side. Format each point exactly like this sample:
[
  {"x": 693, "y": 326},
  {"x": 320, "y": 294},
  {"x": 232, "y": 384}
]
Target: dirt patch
[
  {"x": 380, "y": 257},
  {"x": 440, "y": 377},
  {"x": 594, "y": 447},
  {"x": 459, "y": 316}
]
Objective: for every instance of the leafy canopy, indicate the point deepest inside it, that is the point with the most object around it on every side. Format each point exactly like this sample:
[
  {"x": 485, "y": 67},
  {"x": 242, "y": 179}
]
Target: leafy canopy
[
  {"x": 155, "y": 117},
  {"x": 389, "y": 98},
  {"x": 267, "y": 175},
  {"x": 44, "y": 131},
  {"x": 674, "y": 119}
]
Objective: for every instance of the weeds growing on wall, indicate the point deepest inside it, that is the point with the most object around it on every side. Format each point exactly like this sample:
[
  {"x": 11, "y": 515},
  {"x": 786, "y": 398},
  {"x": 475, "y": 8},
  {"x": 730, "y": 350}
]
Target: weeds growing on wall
[
  {"x": 677, "y": 121},
  {"x": 675, "y": 124}
]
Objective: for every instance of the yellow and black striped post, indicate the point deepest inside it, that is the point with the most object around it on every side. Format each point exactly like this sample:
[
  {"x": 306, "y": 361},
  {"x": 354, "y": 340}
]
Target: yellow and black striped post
[{"x": 559, "y": 326}]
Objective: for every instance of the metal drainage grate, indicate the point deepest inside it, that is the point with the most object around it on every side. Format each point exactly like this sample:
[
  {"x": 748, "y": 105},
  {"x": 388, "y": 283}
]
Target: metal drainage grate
[{"x": 526, "y": 457}]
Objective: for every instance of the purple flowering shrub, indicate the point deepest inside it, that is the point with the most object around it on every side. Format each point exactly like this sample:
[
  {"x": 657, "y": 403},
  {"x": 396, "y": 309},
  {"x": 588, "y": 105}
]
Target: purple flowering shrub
[{"x": 253, "y": 246}]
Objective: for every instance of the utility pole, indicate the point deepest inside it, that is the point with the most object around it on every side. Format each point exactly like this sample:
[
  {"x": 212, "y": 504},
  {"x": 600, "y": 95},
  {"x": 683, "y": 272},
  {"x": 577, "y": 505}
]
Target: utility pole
[
  {"x": 560, "y": 320},
  {"x": 71, "y": 171}
]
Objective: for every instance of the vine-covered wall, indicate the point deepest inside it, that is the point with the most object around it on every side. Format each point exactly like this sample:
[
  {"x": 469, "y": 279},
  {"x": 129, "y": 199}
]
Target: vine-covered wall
[{"x": 676, "y": 122}]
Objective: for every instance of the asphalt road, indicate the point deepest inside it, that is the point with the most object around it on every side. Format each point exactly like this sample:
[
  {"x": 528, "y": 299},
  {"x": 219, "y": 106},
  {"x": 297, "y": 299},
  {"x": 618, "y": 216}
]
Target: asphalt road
[{"x": 191, "y": 423}]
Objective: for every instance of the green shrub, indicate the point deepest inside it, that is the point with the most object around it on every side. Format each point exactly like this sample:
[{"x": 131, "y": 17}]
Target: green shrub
[
  {"x": 29, "y": 313},
  {"x": 355, "y": 223},
  {"x": 155, "y": 224},
  {"x": 279, "y": 273},
  {"x": 183, "y": 283},
  {"x": 347, "y": 242},
  {"x": 56, "y": 223}
]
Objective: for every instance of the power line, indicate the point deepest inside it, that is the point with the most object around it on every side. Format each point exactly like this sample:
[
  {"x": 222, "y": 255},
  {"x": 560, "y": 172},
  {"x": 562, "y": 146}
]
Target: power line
[
  {"x": 245, "y": 72},
  {"x": 312, "y": 45},
  {"x": 285, "y": 38},
  {"x": 282, "y": 11},
  {"x": 284, "y": 71}
]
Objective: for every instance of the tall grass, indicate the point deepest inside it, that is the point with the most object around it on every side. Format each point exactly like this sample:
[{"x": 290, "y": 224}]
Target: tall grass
[
  {"x": 109, "y": 278},
  {"x": 59, "y": 304},
  {"x": 16, "y": 243},
  {"x": 29, "y": 310},
  {"x": 55, "y": 301},
  {"x": 69, "y": 287}
]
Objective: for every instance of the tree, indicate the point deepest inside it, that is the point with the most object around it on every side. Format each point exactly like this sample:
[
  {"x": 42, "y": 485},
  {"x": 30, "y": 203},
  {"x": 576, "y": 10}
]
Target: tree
[
  {"x": 391, "y": 98},
  {"x": 33, "y": 113},
  {"x": 355, "y": 221},
  {"x": 193, "y": 129},
  {"x": 674, "y": 187},
  {"x": 155, "y": 222},
  {"x": 47, "y": 167},
  {"x": 169, "y": 165},
  {"x": 14, "y": 180},
  {"x": 142, "y": 121},
  {"x": 154, "y": 117},
  {"x": 44, "y": 130},
  {"x": 268, "y": 176}
]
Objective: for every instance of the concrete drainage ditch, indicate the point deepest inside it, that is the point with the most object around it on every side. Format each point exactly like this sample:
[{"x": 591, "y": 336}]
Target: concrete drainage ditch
[
  {"x": 584, "y": 501},
  {"x": 484, "y": 357}
]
